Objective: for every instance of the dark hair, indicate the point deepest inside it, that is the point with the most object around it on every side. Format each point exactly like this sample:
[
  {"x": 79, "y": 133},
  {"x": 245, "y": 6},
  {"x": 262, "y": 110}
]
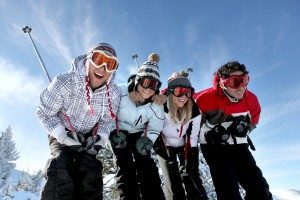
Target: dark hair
[{"x": 230, "y": 67}]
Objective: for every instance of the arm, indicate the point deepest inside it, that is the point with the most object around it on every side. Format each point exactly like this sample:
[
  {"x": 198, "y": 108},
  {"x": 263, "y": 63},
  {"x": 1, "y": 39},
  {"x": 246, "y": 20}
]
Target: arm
[
  {"x": 155, "y": 121},
  {"x": 51, "y": 103},
  {"x": 195, "y": 130}
]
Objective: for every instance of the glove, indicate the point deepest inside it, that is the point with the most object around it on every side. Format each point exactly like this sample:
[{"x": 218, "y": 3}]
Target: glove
[
  {"x": 239, "y": 127},
  {"x": 143, "y": 145},
  {"x": 217, "y": 135},
  {"x": 215, "y": 117},
  {"x": 67, "y": 138},
  {"x": 160, "y": 148},
  {"x": 118, "y": 139},
  {"x": 93, "y": 144}
]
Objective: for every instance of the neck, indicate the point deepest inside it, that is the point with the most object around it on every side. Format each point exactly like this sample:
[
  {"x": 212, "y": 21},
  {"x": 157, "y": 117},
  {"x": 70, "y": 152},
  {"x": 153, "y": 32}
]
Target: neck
[{"x": 231, "y": 98}]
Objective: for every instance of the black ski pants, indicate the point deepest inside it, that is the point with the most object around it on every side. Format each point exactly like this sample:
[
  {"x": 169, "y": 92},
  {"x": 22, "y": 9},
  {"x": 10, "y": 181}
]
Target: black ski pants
[
  {"x": 181, "y": 181},
  {"x": 137, "y": 175},
  {"x": 231, "y": 165},
  {"x": 72, "y": 175}
]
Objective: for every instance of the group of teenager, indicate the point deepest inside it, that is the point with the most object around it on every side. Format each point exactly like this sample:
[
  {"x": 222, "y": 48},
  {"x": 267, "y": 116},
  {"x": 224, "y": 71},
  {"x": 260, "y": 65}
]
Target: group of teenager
[{"x": 84, "y": 109}]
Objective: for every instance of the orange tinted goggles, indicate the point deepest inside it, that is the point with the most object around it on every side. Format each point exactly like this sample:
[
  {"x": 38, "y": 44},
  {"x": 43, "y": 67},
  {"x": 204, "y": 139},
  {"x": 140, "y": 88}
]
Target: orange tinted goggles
[{"x": 99, "y": 58}]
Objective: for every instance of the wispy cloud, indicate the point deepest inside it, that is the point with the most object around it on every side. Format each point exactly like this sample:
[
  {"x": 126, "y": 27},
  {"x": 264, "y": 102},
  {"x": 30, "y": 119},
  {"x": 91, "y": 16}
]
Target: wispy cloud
[
  {"x": 210, "y": 57},
  {"x": 283, "y": 153},
  {"x": 283, "y": 107},
  {"x": 52, "y": 37},
  {"x": 283, "y": 26},
  {"x": 191, "y": 33},
  {"x": 285, "y": 194},
  {"x": 17, "y": 85}
]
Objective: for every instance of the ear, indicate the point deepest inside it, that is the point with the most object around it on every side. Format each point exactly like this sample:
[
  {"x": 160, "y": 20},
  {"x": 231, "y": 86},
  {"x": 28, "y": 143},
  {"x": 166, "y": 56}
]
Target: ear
[{"x": 222, "y": 85}]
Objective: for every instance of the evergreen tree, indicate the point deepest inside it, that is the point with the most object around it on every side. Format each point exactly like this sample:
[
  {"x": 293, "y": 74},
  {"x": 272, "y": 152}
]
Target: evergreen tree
[
  {"x": 30, "y": 183},
  {"x": 8, "y": 154}
]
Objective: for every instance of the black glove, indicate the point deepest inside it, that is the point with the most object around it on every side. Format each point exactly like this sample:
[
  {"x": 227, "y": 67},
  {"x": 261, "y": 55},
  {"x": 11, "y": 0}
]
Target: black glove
[
  {"x": 160, "y": 148},
  {"x": 118, "y": 139},
  {"x": 240, "y": 126},
  {"x": 217, "y": 135},
  {"x": 143, "y": 145},
  {"x": 93, "y": 144}
]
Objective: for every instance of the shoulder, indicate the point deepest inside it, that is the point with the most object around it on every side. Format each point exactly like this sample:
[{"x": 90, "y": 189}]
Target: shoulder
[
  {"x": 251, "y": 97},
  {"x": 205, "y": 94},
  {"x": 62, "y": 80},
  {"x": 158, "y": 110},
  {"x": 123, "y": 89},
  {"x": 206, "y": 97},
  {"x": 195, "y": 109}
]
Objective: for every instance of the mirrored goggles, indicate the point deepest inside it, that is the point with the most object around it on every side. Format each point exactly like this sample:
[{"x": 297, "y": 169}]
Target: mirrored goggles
[
  {"x": 180, "y": 91},
  {"x": 236, "y": 81},
  {"x": 149, "y": 82},
  {"x": 99, "y": 58}
]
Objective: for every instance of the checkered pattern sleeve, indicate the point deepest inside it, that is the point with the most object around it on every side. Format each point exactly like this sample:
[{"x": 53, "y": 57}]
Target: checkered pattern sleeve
[{"x": 51, "y": 102}]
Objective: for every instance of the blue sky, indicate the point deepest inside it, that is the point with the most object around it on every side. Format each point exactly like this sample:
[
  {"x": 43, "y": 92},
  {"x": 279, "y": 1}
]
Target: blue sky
[{"x": 264, "y": 35}]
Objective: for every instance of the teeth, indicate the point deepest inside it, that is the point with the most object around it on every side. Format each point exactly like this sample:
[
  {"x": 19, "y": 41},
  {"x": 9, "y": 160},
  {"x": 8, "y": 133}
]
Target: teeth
[{"x": 99, "y": 75}]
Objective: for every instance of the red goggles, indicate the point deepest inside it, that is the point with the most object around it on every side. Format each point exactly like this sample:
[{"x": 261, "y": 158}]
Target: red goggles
[
  {"x": 180, "y": 91},
  {"x": 236, "y": 81},
  {"x": 99, "y": 58},
  {"x": 146, "y": 82}
]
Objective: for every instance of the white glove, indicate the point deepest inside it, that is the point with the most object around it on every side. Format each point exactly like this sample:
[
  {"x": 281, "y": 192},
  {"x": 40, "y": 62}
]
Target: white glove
[{"x": 64, "y": 137}]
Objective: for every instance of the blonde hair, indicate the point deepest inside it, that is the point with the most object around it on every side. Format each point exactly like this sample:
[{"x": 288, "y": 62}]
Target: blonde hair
[{"x": 181, "y": 115}]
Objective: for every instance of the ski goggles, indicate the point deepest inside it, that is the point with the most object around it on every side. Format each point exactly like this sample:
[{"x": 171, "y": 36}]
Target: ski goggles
[
  {"x": 149, "y": 82},
  {"x": 99, "y": 58},
  {"x": 180, "y": 91},
  {"x": 236, "y": 81}
]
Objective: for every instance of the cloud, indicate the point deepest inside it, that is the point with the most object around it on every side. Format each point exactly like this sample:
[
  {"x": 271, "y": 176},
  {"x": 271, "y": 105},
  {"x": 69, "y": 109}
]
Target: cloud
[
  {"x": 283, "y": 27},
  {"x": 191, "y": 33},
  {"x": 51, "y": 37},
  {"x": 51, "y": 32},
  {"x": 289, "y": 104},
  {"x": 285, "y": 194},
  {"x": 17, "y": 85},
  {"x": 210, "y": 57}
]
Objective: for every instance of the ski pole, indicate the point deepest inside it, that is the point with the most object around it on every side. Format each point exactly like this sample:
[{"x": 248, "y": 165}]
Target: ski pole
[
  {"x": 135, "y": 57},
  {"x": 27, "y": 30}
]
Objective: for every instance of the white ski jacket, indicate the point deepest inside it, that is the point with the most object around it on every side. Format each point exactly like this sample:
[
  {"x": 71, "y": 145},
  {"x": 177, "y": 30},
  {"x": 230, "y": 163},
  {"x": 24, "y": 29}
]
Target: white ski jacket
[
  {"x": 132, "y": 118},
  {"x": 173, "y": 133},
  {"x": 67, "y": 94}
]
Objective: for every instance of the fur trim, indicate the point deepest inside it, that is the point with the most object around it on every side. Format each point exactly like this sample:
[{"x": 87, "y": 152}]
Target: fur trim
[
  {"x": 159, "y": 99},
  {"x": 135, "y": 96}
]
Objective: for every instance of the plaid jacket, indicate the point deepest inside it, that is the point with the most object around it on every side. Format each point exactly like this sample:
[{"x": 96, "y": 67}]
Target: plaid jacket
[{"x": 67, "y": 94}]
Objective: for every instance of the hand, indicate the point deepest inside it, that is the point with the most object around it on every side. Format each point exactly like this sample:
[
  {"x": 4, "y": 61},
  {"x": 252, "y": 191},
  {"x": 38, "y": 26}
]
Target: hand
[
  {"x": 68, "y": 138},
  {"x": 93, "y": 144},
  {"x": 240, "y": 126},
  {"x": 118, "y": 139},
  {"x": 217, "y": 135},
  {"x": 143, "y": 145}
]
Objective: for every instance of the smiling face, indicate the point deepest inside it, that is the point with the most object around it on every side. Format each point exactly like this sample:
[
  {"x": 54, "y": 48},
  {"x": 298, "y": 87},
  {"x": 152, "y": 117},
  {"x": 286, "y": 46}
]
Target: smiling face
[
  {"x": 237, "y": 93},
  {"x": 98, "y": 76},
  {"x": 145, "y": 93},
  {"x": 179, "y": 101}
]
